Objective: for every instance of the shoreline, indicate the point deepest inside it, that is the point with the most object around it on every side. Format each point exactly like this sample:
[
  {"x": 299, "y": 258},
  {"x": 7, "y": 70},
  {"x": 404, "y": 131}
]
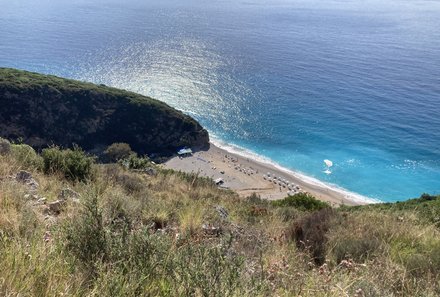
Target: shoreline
[{"x": 243, "y": 173}]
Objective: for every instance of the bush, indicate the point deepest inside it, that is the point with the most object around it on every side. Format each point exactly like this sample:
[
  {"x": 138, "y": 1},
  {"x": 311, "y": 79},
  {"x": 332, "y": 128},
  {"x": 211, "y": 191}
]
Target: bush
[
  {"x": 135, "y": 162},
  {"x": 85, "y": 238},
  {"x": 301, "y": 201},
  {"x": 130, "y": 183},
  {"x": 74, "y": 164},
  {"x": 26, "y": 156},
  {"x": 5, "y": 146},
  {"x": 358, "y": 249},
  {"x": 420, "y": 258},
  {"x": 309, "y": 233},
  {"x": 205, "y": 271},
  {"x": 118, "y": 151}
]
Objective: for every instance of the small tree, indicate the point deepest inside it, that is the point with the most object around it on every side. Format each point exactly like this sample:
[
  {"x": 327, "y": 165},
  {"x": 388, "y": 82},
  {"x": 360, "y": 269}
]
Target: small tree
[{"x": 118, "y": 151}]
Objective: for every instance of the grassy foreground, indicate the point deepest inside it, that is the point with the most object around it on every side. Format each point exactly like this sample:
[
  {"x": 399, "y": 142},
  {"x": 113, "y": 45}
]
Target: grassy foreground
[{"x": 126, "y": 232}]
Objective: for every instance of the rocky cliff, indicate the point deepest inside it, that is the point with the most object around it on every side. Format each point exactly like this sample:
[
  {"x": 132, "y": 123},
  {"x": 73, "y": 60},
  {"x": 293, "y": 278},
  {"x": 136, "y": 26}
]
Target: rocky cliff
[{"x": 42, "y": 110}]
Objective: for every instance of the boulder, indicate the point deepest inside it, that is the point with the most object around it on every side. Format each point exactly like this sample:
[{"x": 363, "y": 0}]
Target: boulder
[
  {"x": 56, "y": 207},
  {"x": 25, "y": 177},
  {"x": 68, "y": 194},
  {"x": 210, "y": 230},
  {"x": 223, "y": 213},
  {"x": 5, "y": 146}
]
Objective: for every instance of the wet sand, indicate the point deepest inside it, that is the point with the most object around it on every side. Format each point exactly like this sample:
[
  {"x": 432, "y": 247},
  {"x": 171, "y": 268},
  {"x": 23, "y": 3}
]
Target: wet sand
[{"x": 246, "y": 176}]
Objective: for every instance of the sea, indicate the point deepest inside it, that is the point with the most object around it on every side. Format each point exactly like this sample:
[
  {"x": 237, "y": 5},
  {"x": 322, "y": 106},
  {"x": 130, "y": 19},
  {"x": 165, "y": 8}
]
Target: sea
[{"x": 292, "y": 82}]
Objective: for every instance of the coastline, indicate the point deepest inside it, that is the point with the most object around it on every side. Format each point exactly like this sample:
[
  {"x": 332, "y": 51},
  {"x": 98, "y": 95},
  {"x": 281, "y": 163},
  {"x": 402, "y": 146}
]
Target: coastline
[{"x": 243, "y": 173}]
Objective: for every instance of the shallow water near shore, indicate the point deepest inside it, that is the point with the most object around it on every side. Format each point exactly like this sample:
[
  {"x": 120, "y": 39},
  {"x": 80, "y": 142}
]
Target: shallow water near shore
[{"x": 295, "y": 82}]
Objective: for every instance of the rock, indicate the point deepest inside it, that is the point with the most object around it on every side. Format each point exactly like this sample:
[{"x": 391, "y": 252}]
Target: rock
[
  {"x": 222, "y": 212},
  {"x": 211, "y": 230},
  {"x": 5, "y": 146},
  {"x": 26, "y": 178},
  {"x": 23, "y": 176},
  {"x": 68, "y": 194},
  {"x": 41, "y": 201},
  {"x": 47, "y": 236},
  {"x": 151, "y": 171},
  {"x": 56, "y": 206}
]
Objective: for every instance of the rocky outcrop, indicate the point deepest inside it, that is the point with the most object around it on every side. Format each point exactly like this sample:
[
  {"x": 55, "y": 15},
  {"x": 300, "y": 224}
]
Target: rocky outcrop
[{"x": 42, "y": 110}]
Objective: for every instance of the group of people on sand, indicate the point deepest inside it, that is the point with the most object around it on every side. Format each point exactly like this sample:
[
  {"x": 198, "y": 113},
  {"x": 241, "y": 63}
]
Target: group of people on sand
[
  {"x": 283, "y": 183},
  {"x": 237, "y": 166}
]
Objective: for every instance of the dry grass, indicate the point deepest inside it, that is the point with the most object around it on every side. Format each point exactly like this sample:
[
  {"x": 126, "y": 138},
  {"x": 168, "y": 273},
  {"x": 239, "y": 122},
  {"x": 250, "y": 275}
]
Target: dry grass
[{"x": 135, "y": 234}]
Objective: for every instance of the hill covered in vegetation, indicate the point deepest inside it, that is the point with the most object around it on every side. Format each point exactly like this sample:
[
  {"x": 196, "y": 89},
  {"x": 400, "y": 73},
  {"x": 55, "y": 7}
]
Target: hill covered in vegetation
[
  {"x": 72, "y": 227},
  {"x": 42, "y": 110}
]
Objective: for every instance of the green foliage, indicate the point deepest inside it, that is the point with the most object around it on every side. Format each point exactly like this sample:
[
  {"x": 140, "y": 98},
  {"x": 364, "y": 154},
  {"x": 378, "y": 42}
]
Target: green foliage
[
  {"x": 74, "y": 163},
  {"x": 86, "y": 238},
  {"x": 301, "y": 201},
  {"x": 205, "y": 271},
  {"x": 427, "y": 208},
  {"x": 90, "y": 115},
  {"x": 135, "y": 162},
  {"x": 166, "y": 234},
  {"x": 26, "y": 156},
  {"x": 356, "y": 248},
  {"x": 118, "y": 151},
  {"x": 418, "y": 257},
  {"x": 124, "y": 261}
]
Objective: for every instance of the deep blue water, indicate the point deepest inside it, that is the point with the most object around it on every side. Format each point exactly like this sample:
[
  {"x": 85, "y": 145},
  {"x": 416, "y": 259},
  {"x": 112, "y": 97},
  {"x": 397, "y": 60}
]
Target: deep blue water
[{"x": 356, "y": 82}]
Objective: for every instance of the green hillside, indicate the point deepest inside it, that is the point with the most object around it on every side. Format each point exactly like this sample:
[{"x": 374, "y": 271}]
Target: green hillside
[
  {"x": 42, "y": 110},
  {"x": 71, "y": 227}
]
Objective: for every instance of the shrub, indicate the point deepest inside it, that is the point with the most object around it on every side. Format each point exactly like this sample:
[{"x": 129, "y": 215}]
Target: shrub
[
  {"x": 200, "y": 270},
  {"x": 118, "y": 151},
  {"x": 130, "y": 183},
  {"x": 85, "y": 238},
  {"x": 288, "y": 214},
  {"x": 301, "y": 201},
  {"x": 309, "y": 233},
  {"x": 427, "y": 197},
  {"x": 5, "y": 146},
  {"x": 74, "y": 164},
  {"x": 358, "y": 249},
  {"x": 26, "y": 156},
  {"x": 420, "y": 258},
  {"x": 364, "y": 236},
  {"x": 135, "y": 162}
]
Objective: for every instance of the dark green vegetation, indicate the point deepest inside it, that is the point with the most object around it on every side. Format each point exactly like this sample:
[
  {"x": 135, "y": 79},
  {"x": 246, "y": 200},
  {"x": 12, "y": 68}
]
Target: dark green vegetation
[
  {"x": 426, "y": 208},
  {"x": 301, "y": 201},
  {"x": 44, "y": 110},
  {"x": 133, "y": 229},
  {"x": 73, "y": 164}
]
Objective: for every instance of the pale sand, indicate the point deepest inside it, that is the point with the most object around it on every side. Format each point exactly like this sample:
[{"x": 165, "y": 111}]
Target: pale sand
[{"x": 212, "y": 162}]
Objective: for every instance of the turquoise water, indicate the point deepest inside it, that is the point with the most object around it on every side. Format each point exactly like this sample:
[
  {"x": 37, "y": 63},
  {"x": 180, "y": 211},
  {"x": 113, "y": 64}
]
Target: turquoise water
[{"x": 296, "y": 82}]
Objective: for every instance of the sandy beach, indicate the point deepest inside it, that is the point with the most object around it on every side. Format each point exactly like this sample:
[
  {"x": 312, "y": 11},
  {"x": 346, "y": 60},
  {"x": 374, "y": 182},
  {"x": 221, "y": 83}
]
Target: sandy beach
[{"x": 247, "y": 176}]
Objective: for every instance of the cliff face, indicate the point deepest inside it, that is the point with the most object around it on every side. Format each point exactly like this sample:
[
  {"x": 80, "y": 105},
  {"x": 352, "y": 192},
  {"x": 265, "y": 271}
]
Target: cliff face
[{"x": 43, "y": 110}]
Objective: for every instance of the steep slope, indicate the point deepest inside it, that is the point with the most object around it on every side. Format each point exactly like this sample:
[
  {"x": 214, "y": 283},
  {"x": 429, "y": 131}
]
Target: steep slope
[{"x": 42, "y": 110}]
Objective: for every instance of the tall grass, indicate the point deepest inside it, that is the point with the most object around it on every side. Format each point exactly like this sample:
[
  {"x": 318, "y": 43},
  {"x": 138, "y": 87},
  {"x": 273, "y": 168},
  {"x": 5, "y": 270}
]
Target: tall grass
[{"x": 134, "y": 234}]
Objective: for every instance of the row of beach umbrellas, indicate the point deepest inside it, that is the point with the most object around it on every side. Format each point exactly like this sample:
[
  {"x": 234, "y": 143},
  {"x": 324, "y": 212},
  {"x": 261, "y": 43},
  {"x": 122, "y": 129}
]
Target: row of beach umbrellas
[{"x": 281, "y": 181}]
